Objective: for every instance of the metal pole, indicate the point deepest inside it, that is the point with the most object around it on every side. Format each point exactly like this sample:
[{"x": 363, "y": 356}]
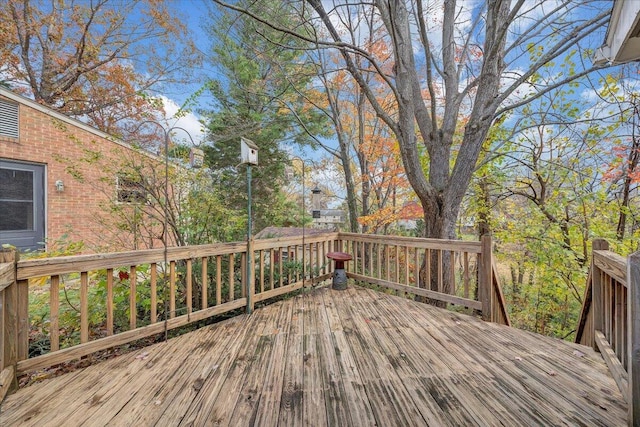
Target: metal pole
[
  {"x": 249, "y": 256},
  {"x": 165, "y": 229},
  {"x": 304, "y": 249}
]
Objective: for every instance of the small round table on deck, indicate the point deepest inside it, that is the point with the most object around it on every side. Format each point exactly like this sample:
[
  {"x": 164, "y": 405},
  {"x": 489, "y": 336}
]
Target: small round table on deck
[{"x": 339, "y": 276}]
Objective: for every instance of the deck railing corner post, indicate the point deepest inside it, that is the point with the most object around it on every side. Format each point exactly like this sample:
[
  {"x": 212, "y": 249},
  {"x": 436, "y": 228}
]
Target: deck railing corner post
[
  {"x": 486, "y": 272},
  {"x": 10, "y": 327},
  {"x": 633, "y": 331}
]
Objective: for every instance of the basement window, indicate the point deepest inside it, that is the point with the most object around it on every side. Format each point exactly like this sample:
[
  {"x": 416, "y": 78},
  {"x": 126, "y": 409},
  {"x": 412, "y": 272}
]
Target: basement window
[
  {"x": 9, "y": 119},
  {"x": 130, "y": 190}
]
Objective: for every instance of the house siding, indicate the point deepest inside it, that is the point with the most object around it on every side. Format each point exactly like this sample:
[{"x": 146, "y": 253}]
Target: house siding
[{"x": 82, "y": 158}]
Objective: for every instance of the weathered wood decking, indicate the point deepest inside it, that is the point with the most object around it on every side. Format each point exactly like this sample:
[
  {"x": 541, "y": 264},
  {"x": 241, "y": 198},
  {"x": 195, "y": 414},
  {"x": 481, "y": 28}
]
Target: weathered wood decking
[{"x": 356, "y": 357}]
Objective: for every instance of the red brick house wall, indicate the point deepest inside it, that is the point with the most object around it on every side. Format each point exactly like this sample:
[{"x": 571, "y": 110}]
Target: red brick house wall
[{"x": 86, "y": 160}]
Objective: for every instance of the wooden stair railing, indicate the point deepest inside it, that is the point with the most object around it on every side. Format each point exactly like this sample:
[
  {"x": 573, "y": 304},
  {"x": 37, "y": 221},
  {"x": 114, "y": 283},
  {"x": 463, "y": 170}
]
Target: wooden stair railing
[{"x": 610, "y": 319}]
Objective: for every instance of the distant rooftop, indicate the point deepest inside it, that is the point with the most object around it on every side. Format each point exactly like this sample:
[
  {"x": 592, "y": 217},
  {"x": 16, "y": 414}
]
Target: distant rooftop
[{"x": 273, "y": 232}]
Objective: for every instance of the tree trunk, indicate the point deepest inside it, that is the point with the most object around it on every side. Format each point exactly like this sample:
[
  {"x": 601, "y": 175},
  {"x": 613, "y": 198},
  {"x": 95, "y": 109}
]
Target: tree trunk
[{"x": 351, "y": 187}]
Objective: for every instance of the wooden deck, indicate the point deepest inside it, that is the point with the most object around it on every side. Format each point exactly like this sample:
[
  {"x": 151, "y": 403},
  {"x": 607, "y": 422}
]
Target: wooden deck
[{"x": 356, "y": 358}]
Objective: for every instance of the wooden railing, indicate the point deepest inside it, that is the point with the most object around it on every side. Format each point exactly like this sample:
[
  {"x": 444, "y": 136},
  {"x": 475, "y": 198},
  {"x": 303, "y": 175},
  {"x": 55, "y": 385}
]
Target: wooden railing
[
  {"x": 117, "y": 298},
  {"x": 142, "y": 293},
  {"x": 9, "y": 324},
  {"x": 454, "y": 272},
  {"x": 610, "y": 319}
]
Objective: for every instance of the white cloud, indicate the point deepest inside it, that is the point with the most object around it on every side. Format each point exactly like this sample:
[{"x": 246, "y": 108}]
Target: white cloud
[{"x": 189, "y": 121}]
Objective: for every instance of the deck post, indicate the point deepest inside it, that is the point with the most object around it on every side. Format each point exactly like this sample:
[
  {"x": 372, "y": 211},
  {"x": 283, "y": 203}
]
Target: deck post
[
  {"x": 485, "y": 278},
  {"x": 596, "y": 291},
  {"x": 633, "y": 285},
  {"x": 9, "y": 318}
]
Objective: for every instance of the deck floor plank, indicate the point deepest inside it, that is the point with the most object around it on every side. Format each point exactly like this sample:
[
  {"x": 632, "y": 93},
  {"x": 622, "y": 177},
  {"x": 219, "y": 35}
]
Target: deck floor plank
[
  {"x": 346, "y": 401},
  {"x": 291, "y": 411},
  {"x": 432, "y": 392},
  {"x": 393, "y": 404},
  {"x": 323, "y": 358},
  {"x": 313, "y": 402},
  {"x": 467, "y": 388},
  {"x": 269, "y": 405},
  {"x": 198, "y": 410},
  {"x": 253, "y": 390},
  {"x": 222, "y": 407},
  {"x": 169, "y": 398},
  {"x": 131, "y": 391}
]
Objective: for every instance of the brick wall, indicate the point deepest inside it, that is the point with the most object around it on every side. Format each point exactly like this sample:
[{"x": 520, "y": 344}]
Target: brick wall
[{"x": 87, "y": 162}]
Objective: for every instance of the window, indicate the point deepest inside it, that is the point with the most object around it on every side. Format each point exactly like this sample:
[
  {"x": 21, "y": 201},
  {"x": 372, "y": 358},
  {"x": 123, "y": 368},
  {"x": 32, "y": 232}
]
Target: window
[
  {"x": 8, "y": 119},
  {"x": 130, "y": 190},
  {"x": 16, "y": 199}
]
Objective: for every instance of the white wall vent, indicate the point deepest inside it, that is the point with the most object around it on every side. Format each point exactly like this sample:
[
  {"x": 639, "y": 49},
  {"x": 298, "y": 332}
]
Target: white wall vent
[{"x": 9, "y": 119}]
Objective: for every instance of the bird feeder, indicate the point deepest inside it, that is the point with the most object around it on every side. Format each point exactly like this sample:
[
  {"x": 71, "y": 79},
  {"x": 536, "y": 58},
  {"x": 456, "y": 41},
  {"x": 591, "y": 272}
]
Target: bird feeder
[
  {"x": 196, "y": 158},
  {"x": 339, "y": 275}
]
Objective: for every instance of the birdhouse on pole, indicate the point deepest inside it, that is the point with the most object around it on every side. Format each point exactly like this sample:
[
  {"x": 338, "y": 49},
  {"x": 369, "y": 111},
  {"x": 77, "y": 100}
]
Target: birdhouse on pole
[{"x": 248, "y": 152}]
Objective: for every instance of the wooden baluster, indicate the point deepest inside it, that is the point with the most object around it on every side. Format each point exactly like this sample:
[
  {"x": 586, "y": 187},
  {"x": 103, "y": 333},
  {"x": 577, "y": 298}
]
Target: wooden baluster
[
  {"x": 289, "y": 263},
  {"x": 378, "y": 261},
  {"x": 439, "y": 271},
  {"x": 298, "y": 258},
  {"x": 232, "y": 279},
  {"x": 218, "y": 279},
  {"x": 172, "y": 289},
  {"x": 416, "y": 267},
  {"x": 189, "y": 286},
  {"x": 597, "y": 294},
  {"x": 387, "y": 255},
  {"x": 272, "y": 265},
  {"x": 396, "y": 271},
  {"x": 243, "y": 275},
  {"x": 84, "y": 307},
  {"x": 261, "y": 255},
  {"x": 427, "y": 254},
  {"x": 133, "y": 311},
  {"x": 452, "y": 271},
  {"x": 205, "y": 283},
  {"x": 325, "y": 246},
  {"x": 154, "y": 292},
  {"x": 406, "y": 265},
  {"x": 280, "y": 279},
  {"x": 54, "y": 308},
  {"x": 317, "y": 266},
  {"x": 466, "y": 274},
  {"x": 109, "y": 301},
  {"x": 372, "y": 260}
]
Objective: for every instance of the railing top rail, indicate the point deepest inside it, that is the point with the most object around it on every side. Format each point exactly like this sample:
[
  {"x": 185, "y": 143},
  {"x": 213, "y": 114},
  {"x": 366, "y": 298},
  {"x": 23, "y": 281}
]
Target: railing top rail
[
  {"x": 418, "y": 242},
  {"x": 71, "y": 264},
  {"x": 278, "y": 242},
  {"x": 612, "y": 264},
  {"x": 6, "y": 275}
]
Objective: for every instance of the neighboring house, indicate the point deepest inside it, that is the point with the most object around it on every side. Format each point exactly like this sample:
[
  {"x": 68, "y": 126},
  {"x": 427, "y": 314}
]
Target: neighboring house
[
  {"x": 60, "y": 177},
  {"x": 284, "y": 232},
  {"x": 622, "y": 42},
  {"x": 409, "y": 215},
  {"x": 328, "y": 219}
]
